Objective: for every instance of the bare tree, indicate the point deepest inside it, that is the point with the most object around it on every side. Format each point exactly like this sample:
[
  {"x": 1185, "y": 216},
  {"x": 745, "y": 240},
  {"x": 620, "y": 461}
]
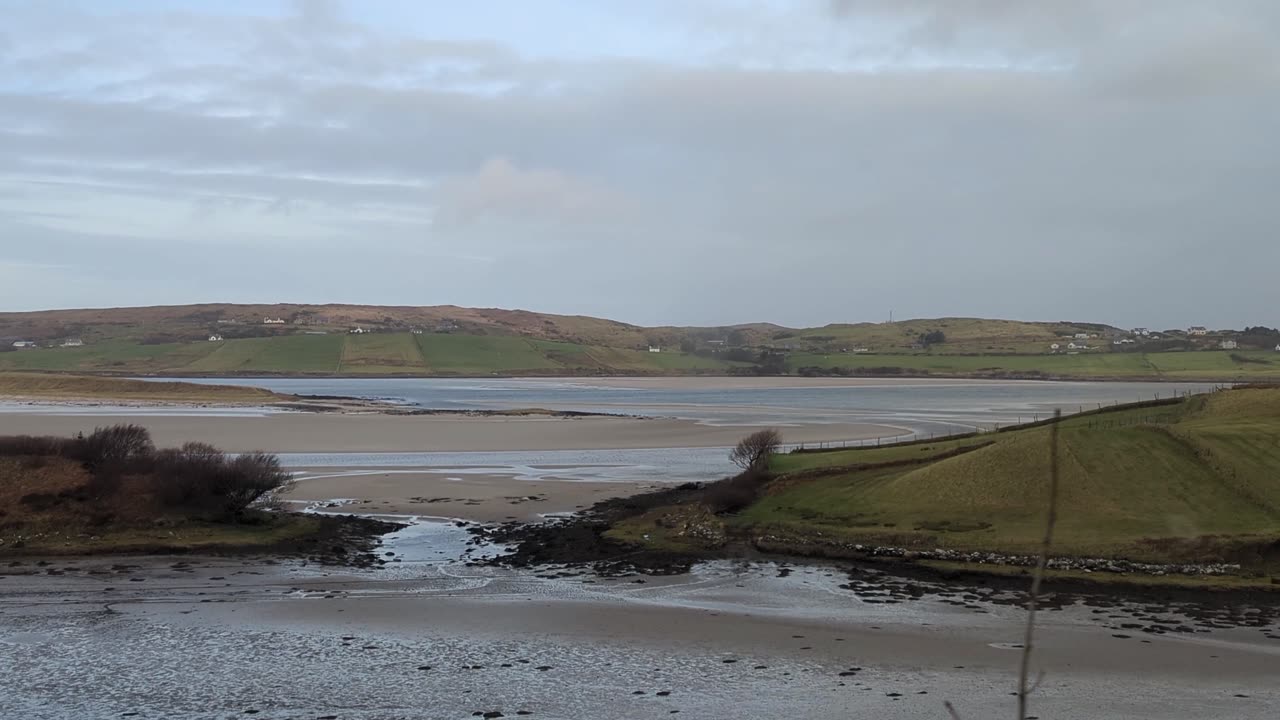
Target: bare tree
[{"x": 752, "y": 452}]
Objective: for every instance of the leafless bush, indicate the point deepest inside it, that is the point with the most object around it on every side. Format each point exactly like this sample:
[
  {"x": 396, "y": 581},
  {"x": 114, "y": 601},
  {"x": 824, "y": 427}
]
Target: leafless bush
[
  {"x": 736, "y": 493},
  {"x": 32, "y": 445},
  {"x": 752, "y": 452},
  {"x": 115, "y": 446},
  {"x": 202, "y": 478}
]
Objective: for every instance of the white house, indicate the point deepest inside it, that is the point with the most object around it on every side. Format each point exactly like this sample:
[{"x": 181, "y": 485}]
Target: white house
[
  {"x": 1082, "y": 336},
  {"x": 23, "y": 344},
  {"x": 73, "y": 342},
  {"x": 358, "y": 331},
  {"x": 1197, "y": 330},
  {"x": 654, "y": 349},
  {"x": 215, "y": 338},
  {"x": 1141, "y": 331},
  {"x": 1228, "y": 344},
  {"x": 272, "y": 321},
  {"x": 1277, "y": 348},
  {"x": 1055, "y": 347}
]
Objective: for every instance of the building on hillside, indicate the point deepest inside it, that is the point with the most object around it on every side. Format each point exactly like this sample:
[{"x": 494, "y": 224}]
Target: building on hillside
[
  {"x": 23, "y": 344},
  {"x": 655, "y": 349},
  {"x": 272, "y": 321},
  {"x": 1082, "y": 336},
  {"x": 73, "y": 342},
  {"x": 1141, "y": 331},
  {"x": 358, "y": 330},
  {"x": 1197, "y": 330},
  {"x": 215, "y": 338},
  {"x": 715, "y": 342},
  {"x": 445, "y": 326},
  {"x": 1229, "y": 345},
  {"x": 416, "y": 331},
  {"x": 1055, "y": 347},
  {"x": 1278, "y": 348}
]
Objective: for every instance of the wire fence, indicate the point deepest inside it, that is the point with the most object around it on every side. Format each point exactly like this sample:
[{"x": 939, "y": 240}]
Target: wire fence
[{"x": 1022, "y": 421}]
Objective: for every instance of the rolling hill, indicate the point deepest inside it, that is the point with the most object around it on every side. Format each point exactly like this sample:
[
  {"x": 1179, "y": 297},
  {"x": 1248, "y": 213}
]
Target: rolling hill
[{"x": 290, "y": 339}]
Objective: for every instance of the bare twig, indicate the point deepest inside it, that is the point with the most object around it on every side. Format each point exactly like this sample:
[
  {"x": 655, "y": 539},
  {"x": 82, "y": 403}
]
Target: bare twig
[{"x": 1038, "y": 577}]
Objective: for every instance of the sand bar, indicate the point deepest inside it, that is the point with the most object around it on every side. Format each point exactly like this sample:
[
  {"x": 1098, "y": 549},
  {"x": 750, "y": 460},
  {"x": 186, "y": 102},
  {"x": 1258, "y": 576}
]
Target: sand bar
[
  {"x": 334, "y": 433},
  {"x": 479, "y": 497}
]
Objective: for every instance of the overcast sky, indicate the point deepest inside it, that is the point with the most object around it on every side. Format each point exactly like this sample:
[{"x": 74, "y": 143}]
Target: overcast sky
[{"x": 653, "y": 161}]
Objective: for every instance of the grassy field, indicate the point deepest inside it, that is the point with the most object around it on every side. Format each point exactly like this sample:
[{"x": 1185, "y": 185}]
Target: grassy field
[
  {"x": 1218, "y": 365},
  {"x": 1201, "y": 483},
  {"x": 457, "y": 353},
  {"x": 289, "y": 354},
  {"x": 381, "y": 353},
  {"x": 67, "y": 387}
]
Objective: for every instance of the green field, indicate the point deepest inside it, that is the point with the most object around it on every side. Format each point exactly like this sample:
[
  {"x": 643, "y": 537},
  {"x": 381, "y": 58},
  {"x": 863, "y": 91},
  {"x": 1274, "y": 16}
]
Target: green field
[
  {"x": 381, "y": 353},
  {"x": 288, "y": 354},
  {"x": 1181, "y": 482},
  {"x": 446, "y": 354},
  {"x": 1209, "y": 364}
]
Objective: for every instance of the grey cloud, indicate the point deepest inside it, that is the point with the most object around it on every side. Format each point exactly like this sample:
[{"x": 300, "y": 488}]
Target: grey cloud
[{"x": 665, "y": 192}]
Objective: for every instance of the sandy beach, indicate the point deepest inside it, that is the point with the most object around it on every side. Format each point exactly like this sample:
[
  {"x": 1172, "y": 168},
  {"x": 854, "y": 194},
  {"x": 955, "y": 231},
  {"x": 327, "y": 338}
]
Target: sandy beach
[
  {"x": 478, "y": 497},
  {"x": 371, "y": 432}
]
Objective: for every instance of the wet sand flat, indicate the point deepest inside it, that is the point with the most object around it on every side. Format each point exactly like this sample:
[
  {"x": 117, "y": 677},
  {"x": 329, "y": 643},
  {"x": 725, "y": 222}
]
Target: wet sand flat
[
  {"x": 487, "y": 497},
  {"x": 444, "y": 639},
  {"x": 311, "y": 433}
]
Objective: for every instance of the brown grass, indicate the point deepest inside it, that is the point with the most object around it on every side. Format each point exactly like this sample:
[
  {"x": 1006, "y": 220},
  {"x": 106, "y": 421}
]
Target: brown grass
[{"x": 38, "y": 386}]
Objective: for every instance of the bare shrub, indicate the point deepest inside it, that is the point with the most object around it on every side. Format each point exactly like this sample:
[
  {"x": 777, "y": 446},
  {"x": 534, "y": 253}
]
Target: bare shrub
[
  {"x": 200, "y": 477},
  {"x": 753, "y": 451},
  {"x": 32, "y": 445},
  {"x": 115, "y": 446},
  {"x": 736, "y": 493}
]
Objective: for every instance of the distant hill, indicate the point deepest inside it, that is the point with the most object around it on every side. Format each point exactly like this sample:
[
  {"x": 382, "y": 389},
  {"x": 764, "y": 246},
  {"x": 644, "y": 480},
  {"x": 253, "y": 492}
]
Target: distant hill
[{"x": 292, "y": 339}]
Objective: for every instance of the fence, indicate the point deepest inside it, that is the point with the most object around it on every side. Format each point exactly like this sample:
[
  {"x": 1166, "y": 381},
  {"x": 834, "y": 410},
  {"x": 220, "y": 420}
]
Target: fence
[{"x": 1023, "y": 422}]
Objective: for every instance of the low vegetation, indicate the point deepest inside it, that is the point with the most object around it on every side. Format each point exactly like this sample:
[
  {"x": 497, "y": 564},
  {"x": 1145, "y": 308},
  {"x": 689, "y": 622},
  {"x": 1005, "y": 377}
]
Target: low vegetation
[
  {"x": 38, "y": 386},
  {"x": 113, "y": 490}
]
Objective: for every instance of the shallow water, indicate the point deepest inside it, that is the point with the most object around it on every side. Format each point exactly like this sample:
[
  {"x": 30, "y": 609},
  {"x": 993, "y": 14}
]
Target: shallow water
[{"x": 430, "y": 636}]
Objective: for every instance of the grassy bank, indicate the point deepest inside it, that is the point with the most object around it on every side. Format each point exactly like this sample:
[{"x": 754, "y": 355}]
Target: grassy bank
[
  {"x": 1193, "y": 482},
  {"x": 38, "y": 386}
]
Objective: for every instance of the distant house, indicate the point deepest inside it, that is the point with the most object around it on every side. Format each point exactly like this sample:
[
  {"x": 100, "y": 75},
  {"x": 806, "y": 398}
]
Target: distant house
[
  {"x": 23, "y": 344},
  {"x": 1055, "y": 347},
  {"x": 215, "y": 338},
  {"x": 655, "y": 349},
  {"x": 1277, "y": 348},
  {"x": 445, "y": 326},
  {"x": 358, "y": 331},
  {"x": 73, "y": 342},
  {"x": 860, "y": 350},
  {"x": 715, "y": 342},
  {"x": 272, "y": 321},
  {"x": 1228, "y": 344},
  {"x": 416, "y": 331},
  {"x": 1082, "y": 336},
  {"x": 1197, "y": 330},
  {"x": 1141, "y": 331}
]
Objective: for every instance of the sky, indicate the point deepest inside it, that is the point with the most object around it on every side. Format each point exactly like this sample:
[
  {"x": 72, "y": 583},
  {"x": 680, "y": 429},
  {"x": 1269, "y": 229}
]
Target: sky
[{"x": 654, "y": 161}]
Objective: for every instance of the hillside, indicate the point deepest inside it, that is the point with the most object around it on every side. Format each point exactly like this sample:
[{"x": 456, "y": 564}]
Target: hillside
[
  {"x": 453, "y": 341},
  {"x": 1193, "y": 481},
  {"x": 1137, "y": 483}
]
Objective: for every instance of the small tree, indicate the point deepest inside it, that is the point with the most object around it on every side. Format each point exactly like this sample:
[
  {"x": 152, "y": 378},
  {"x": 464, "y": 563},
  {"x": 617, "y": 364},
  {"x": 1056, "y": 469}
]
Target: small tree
[{"x": 752, "y": 452}]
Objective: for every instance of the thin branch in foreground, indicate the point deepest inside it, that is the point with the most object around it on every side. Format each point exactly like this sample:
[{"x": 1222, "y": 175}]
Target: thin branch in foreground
[{"x": 1038, "y": 577}]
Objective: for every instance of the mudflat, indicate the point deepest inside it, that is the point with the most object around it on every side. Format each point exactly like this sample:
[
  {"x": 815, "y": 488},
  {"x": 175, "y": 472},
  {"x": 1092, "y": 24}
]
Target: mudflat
[
  {"x": 486, "y": 497},
  {"x": 421, "y": 638}
]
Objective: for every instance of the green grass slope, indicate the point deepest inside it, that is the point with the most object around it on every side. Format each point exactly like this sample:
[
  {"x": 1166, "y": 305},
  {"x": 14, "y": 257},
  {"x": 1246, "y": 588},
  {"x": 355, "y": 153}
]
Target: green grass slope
[
  {"x": 288, "y": 354},
  {"x": 389, "y": 353},
  {"x": 1202, "y": 480}
]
